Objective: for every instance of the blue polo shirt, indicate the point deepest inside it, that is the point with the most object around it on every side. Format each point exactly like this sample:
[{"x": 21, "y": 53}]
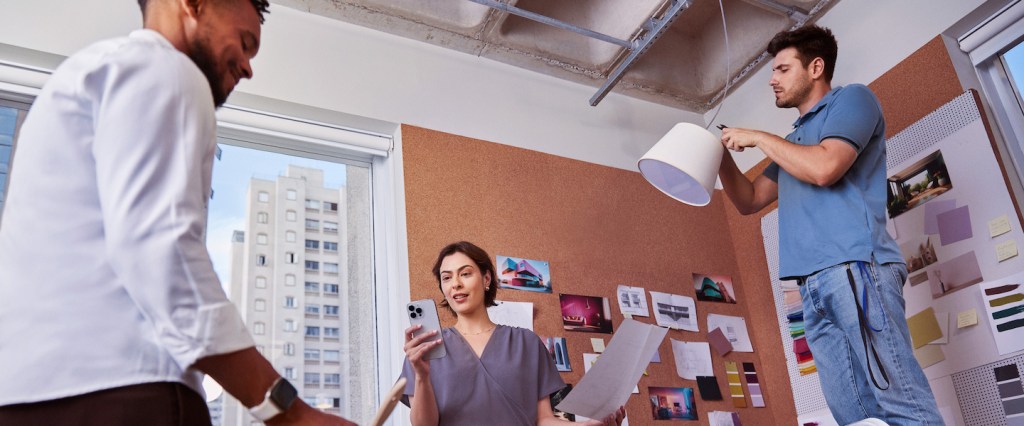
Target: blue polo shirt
[{"x": 821, "y": 227}]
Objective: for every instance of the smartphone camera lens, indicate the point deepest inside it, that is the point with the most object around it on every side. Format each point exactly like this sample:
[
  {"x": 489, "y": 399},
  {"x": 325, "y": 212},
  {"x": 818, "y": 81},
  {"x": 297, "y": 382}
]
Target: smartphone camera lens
[
  {"x": 412, "y": 308},
  {"x": 419, "y": 311},
  {"x": 413, "y": 315}
]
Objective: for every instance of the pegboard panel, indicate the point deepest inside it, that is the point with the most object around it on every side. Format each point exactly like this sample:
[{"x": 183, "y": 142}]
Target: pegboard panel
[
  {"x": 807, "y": 394},
  {"x": 979, "y": 397},
  {"x": 931, "y": 129}
]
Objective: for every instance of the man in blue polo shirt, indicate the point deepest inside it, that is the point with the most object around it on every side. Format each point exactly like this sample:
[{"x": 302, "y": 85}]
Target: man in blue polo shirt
[{"x": 829, "y": 178}]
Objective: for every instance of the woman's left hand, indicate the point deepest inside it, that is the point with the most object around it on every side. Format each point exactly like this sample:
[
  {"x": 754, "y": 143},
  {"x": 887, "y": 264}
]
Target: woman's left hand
[{"x": 613, "y": 419}]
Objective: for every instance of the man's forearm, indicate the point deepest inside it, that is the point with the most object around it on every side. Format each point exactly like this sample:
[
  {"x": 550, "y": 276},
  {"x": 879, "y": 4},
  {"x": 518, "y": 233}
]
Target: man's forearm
[{"x": 244, "y": 374}]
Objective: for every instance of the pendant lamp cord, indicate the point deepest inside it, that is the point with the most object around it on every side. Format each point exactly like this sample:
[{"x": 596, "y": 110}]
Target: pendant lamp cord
[{"x": 728, "y": 67}]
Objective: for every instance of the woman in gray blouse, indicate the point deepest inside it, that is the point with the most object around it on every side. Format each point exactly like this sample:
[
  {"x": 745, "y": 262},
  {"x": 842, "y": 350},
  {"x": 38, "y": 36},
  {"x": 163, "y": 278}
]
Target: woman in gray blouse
[{"x": 493, "y": 374}]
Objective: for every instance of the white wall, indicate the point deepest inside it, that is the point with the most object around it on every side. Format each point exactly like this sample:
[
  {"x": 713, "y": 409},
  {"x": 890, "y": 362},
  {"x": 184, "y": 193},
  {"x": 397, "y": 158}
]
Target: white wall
[
  {"x": 873, "y": 37},
  {"x": 320, "y": 62}
]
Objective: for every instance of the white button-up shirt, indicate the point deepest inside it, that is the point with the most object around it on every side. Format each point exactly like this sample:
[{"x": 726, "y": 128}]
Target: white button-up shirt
[{"x": 105, "y": 279}]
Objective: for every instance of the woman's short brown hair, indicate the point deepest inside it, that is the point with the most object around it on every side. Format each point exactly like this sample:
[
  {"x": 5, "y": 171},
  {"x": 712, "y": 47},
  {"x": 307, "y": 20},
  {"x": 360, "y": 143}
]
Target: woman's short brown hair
[{"x": 482, "y": 261}]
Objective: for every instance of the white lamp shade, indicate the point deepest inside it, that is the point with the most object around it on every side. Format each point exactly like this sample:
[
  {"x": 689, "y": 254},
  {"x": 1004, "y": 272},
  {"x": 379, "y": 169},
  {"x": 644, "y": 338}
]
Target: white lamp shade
[{"x": 684, "y": 164}]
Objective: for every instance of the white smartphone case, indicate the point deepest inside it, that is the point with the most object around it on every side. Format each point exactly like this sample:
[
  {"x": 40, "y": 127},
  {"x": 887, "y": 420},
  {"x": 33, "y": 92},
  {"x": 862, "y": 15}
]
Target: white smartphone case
[{"x": 423, "y": 312}]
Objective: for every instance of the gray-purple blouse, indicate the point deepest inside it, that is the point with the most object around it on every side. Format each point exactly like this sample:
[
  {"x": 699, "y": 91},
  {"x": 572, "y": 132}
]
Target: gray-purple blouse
[{"x": 502, "y": 386}]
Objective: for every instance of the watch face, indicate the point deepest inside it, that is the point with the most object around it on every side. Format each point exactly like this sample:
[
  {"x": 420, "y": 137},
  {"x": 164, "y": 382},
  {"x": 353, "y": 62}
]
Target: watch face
[{"x": 283, "y": 394}]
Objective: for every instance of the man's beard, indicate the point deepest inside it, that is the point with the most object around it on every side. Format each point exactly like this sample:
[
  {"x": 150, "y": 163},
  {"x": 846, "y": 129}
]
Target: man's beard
[
  {"x": 799, "y": 94},
  {"x": 203, "y": 57}
]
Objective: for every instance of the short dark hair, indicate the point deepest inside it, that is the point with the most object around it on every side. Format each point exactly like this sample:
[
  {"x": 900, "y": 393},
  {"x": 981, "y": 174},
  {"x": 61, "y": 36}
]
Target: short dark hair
[
  {"x": 260, "y": 5},
  {"x": 482, "y": 261},
  {"x": 811, "y": 42}
]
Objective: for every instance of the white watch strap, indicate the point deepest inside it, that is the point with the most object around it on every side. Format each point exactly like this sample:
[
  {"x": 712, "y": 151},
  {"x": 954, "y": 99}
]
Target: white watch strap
[{"x": 266, "y": 410}]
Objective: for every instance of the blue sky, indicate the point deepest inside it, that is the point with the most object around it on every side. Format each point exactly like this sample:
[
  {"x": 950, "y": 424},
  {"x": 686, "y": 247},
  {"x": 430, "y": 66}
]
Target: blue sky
[{"x": 231, "y": 175}]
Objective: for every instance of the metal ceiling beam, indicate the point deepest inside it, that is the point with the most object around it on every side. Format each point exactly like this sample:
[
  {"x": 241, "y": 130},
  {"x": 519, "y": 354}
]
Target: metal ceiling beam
[
  {"x": 657, "y": 27},
  {"x": 547, "y": 20}
]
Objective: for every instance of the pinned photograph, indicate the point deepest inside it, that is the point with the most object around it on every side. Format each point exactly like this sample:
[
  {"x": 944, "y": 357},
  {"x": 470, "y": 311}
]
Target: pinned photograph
[
  {"x": 672, "y": 403},
  {"x": 957, "y": 273},
  {"x": 523, "y": 274},
  {"x": 918, "y": 184},
  {"x": 558, "y": 397},
  {"x": 585, "y": 313},
  {"x": 714, "y": 288},
  {"x": 919, "y": 253},
  {"x": 559, "y": 352}
]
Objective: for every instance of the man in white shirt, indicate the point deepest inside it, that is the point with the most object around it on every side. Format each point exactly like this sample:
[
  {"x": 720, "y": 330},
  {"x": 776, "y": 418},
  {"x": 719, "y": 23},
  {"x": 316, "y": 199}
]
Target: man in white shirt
[{"x": 110, "y": 311}]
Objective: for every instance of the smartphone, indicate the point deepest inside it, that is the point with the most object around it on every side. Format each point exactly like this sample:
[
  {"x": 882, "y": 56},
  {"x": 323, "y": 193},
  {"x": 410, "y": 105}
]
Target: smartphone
[{"x": 423, "y": 312}]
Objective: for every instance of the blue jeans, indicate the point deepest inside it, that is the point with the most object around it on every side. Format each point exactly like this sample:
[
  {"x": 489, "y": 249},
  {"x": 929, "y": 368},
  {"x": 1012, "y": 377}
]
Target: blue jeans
[{"x": 834, "y": 336}]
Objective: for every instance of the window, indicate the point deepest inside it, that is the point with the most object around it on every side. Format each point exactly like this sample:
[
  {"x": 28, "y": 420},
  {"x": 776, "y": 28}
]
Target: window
[
  {"x": 289, "y": 348},
  {"x": 312, "y": 331},
  {"x": 259, "y": 328},
  {"x": 332, "y": 332},
  {"x": 289, "y": 373},
  {"x": 331, "y": 289},
  {"x": 312, "y": 224},
  {"x": 12, "y": 114},
  {"x": 261, "y": 282},
  {"x": 259, "y": 305},
  {"x": 312, "y": 309},
  {"x": 332, "y": 379},
  {"x": 261, "y": 239},
  {"x": 332, "y": 356},
  {"x": 311, "y": 379},
  {"x": 289, "y": 302},
  {"x": 312, "y": 204},
  {"x": 262, "y": 217},
  {"x": 289, "y": 280},
  {"x": 346, "y": 176},
  {"x": 291, "y": 194},
  {"x": 330, "y": 227},
  {"x": 331, "y": 310},
  {"x": 330, "y": 246},
  {"x": 330, "y": 268},
  {"x": 261, "y": 349},
  {"x": 289, "y": 257},
  {"x": 261, "y": 260},
  {"x": 312, "y": 245},
  {"x": 311, "y": 354},
  {"x": 289, "y": 236}
]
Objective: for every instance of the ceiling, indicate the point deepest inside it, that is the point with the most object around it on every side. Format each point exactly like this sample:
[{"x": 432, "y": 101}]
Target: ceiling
[{"x": 683, "y": 66}]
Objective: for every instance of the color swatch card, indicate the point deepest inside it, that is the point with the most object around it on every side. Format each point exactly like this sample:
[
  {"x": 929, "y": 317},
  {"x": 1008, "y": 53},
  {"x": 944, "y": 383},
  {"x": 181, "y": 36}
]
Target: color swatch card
[
  {"x": 735, "y": 329},
  {"x": 924, "y": 328},
  {"x": 753, "y": 385},
  {"x": 954, "y": 225},
  {"x": 1004, "y": 309},
  {"x": 735, "y": 387},
  {"x": 708, "y": 387},
  {"x": 1011, "y": 393},
  {"x": 718, "y": 341}
]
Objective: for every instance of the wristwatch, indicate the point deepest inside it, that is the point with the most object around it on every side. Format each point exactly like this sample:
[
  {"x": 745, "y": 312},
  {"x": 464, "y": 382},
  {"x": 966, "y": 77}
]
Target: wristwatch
[{"x": 279, "y": 397}]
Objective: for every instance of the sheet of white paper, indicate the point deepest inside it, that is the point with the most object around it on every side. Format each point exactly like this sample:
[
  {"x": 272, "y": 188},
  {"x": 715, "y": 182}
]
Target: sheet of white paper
[
  {"x": 590, "y": 359},
  {"x": 692, "y": 359},
  {"x": 512, "y": 314},
  {"x": 607, "y": 385},
  {"x": 735, "y": 329},
  {"x": 632, "y": 301},
  {"x": 674, "y": 311}
]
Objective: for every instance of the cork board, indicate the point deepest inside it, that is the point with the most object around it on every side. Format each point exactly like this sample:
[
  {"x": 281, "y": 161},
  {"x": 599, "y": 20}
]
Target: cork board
[{"x": 598, "y": 227}]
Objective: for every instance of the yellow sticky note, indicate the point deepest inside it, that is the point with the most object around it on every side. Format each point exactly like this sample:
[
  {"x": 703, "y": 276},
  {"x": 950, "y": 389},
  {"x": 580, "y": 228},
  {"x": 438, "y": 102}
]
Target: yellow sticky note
[
  {"x": 924, "y": 328},
  {"x": 1006, "y": 249},
  {"x": 998, "y": 226},
  {"x": 967, "y": 318},
  {"x": 597, "y": 343}
]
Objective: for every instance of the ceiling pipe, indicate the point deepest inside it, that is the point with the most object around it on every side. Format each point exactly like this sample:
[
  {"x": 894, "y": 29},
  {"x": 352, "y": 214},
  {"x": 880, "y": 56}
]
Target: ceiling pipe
[{"x": 547, "y": 20}]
